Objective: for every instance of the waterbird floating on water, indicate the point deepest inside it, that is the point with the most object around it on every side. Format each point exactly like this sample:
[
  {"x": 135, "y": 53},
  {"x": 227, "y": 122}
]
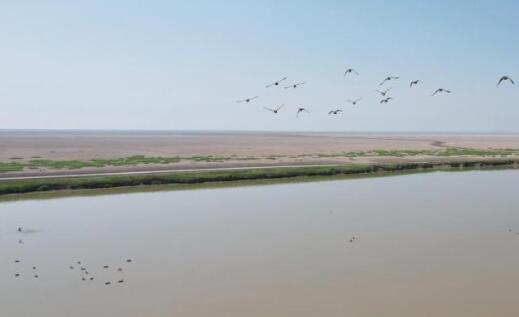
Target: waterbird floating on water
[
  {"x": 389, "y": 78},
  {"x": 295, "y": 85},
  {"x": 275, "y": 110},
  {"x": 276, "y": 83},
  {"x": 503, "y": 79},
  {"x": 441, "y": 90},
  {"x": 247, "y": 100}
]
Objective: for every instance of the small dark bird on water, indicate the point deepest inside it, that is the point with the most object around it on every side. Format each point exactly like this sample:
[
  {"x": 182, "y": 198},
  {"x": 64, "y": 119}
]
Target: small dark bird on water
[
  {"x": 34, "y": 268},
  {"x": 120, "y": 281},
  {"x": 353, "y": 239},
  {"x": 83, "y": 279},
  {"x": 295, "y": 85},
  {"x": 334, "y": 112},
  {"x": 129, "y": 260},
  {"x": 354, "y": 102},
  {"x": 16, "y": 261},
  {"x": 386, "y": 100},
  {"x": 71, "y": 267},
  {"x": 91, "y": 278},
  {"x": 503, "y": 79},
  {"x": 108, "y": 283},
  {"x": 79, "y": 262},
  {"x": 384, "y": 92},
  {"x": 300, "y": 110},
  {"x": 389, "y": 78},
  {"x": 119, "y": 269},
  {"x": 17, "y": 275},
  {"x": 274, "y": 110},
  {"x": 276, "y": 83},
  {"x": 36, "y": 276},
  {"x": 441, "y": 90},
  {"x": 20, "y": 229},
  {"x": 247, "y": 100},
  {"x": 83, "y": 269},
  {"x": 351, "y": 70},
  {"x": 414, "y": 82},
  {"x": 105, "y": 267}
]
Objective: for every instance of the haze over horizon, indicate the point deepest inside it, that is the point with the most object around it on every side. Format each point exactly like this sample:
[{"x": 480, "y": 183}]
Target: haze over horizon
[{"x": 173, "y": 65}]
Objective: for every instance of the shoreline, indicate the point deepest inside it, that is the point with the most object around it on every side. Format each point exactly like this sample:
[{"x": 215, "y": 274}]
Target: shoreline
[{"x": 191, "y": 179}]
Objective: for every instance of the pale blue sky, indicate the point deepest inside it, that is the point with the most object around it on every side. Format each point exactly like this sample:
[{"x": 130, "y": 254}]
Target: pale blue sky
[{"x": 180, "y": 65}]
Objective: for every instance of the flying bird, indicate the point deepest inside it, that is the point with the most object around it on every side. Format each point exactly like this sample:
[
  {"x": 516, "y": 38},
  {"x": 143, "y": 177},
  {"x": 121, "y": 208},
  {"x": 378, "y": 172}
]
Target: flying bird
[
  {"x": 295, "y": 85},
  {"x": 415, "y": 82},
  {"x": 247, "y": 100},
  {"x": 276, "y": 83},
  {"x": 386, "y": 100},
  {"x": 351, "y": 70},
  {"x": 334, "y": 112},
  {"x": 505, "y": 78},
  {"x": 354, "y": 102},
  {"x": 441, "y": 90},
  {"x": 274, "y": 110},
  {"x": 384, "y": 92},
  {"x": 389, "y": 78},
  {"x": 300, "y": 110}
]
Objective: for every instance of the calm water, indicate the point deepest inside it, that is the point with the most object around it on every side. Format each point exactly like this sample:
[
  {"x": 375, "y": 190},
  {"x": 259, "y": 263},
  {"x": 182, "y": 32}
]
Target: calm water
[{"x": 427, "y": 245}]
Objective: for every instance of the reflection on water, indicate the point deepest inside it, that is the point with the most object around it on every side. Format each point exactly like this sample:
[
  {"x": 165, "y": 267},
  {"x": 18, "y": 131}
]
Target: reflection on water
[{"x": 441, "y": 244}]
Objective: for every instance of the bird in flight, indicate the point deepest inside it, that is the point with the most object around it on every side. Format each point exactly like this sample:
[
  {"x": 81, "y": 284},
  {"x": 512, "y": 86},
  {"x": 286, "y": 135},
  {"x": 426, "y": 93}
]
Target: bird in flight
[
  {"x": 389, "y": 78},
  {"x": 384, "y": 93},
  {"x": 386, "y": 100},
  {"x": 295, "y": 85},
  {"x": 350, "y": 71},
  {"x": 274, "y": 110},
  {"x": 300, "y": 110},
  {"x": 276, "y": 83},
  {"x": 415, "y": 82},
  {"x": 334, "y": 112},
  {"x": 505, "y": 78},
  {"x": 441, "y": 90},
  {"x": 354, "y": 102},
  {"x": 247, "y": 99}
]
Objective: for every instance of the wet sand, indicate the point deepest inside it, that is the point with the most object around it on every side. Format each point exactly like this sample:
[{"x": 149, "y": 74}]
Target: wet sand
[{"x": 24, "y": 145}]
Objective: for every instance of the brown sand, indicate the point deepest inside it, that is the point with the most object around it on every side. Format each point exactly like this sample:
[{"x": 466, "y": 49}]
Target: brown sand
[{"x": 76, "y": 145}]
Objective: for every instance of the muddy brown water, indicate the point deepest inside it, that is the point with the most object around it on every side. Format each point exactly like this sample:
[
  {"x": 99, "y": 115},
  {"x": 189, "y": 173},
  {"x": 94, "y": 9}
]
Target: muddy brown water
[{"x": 434, "y": 244}]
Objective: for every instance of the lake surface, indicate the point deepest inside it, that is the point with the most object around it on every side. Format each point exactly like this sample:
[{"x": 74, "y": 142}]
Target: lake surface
[{"x": 426, "y": 245}]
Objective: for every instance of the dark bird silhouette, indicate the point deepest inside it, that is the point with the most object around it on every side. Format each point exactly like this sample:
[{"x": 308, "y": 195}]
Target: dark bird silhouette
[
  {"x": 20, "y": 229},
  {"x": 384, "y": 92},
  {"x": 300, "y": 110},
  {"x": 247, "y": 100},
  {"x": 415, "y": 82},
  {"x": 119, "y": 269},
  {"x": 105, "y": 267},
  {"x": 439, "y": 90},
  {"x": 16, "y": 261},
  {"x": 34, "y": 268},
  {"x": 334, "y": 112},
  {"x": 503, "y": 79},
  {"x": 129, "y": 260},
  {"x": 78, "y": 262},
  {"x": 83, "y": 279},
  {"x": 386, "y": 100},
  {"x": 108, "y": 283},
  {"x": 36, "y": 276},
  {"x": 295, "y": 85},
  {"x": 276, "y": 83},
  {"x": 120, "y": 281},
  {"x": 389, "y": 78},
  {"x": 274, "y": 110},
  {"x": 17, "y": 275},
  {"x": 91, "y": 278},
  {"x": 351, "y": 70},
  {"x": 71, "y": 267},
  {"x": 83, "y": 269},
  {"x": 353, "y": 239},
  {"x": 354, "y": 102}
]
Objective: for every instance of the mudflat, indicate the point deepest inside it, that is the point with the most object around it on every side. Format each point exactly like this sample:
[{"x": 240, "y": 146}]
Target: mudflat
[{"x": 234, "y": 149}]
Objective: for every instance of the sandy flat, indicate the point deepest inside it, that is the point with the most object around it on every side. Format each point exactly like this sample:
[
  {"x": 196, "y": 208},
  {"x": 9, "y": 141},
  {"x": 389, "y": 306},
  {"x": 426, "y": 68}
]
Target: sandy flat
[{"x": 80, "y": 145}]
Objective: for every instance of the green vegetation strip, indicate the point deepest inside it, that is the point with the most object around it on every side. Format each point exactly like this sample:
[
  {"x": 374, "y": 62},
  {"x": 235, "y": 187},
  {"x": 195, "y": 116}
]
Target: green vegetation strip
[
  {"x": 27, "y": 186},
  {"x": 17, "y": 165}
]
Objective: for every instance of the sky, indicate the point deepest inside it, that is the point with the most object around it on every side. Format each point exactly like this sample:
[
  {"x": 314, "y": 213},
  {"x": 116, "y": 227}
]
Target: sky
[{"x": 181, "y": 65}]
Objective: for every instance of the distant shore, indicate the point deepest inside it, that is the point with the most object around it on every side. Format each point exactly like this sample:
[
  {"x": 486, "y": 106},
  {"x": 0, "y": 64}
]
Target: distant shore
[{"x": 21, "y": 186}]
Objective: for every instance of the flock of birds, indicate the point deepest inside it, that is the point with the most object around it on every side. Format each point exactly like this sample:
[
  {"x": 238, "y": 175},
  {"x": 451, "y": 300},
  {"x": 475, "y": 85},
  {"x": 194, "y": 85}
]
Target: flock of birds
[
  {"x": 385, "y": 98},
  {"x": 79, "y": 266}
]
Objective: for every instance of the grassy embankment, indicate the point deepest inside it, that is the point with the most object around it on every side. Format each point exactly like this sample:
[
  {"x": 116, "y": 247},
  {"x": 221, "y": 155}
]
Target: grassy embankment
[{"x": 28, "y": 186}]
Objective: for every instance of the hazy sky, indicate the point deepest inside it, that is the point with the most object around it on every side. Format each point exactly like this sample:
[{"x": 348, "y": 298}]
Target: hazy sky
[{"x": 182, "y": 64}]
